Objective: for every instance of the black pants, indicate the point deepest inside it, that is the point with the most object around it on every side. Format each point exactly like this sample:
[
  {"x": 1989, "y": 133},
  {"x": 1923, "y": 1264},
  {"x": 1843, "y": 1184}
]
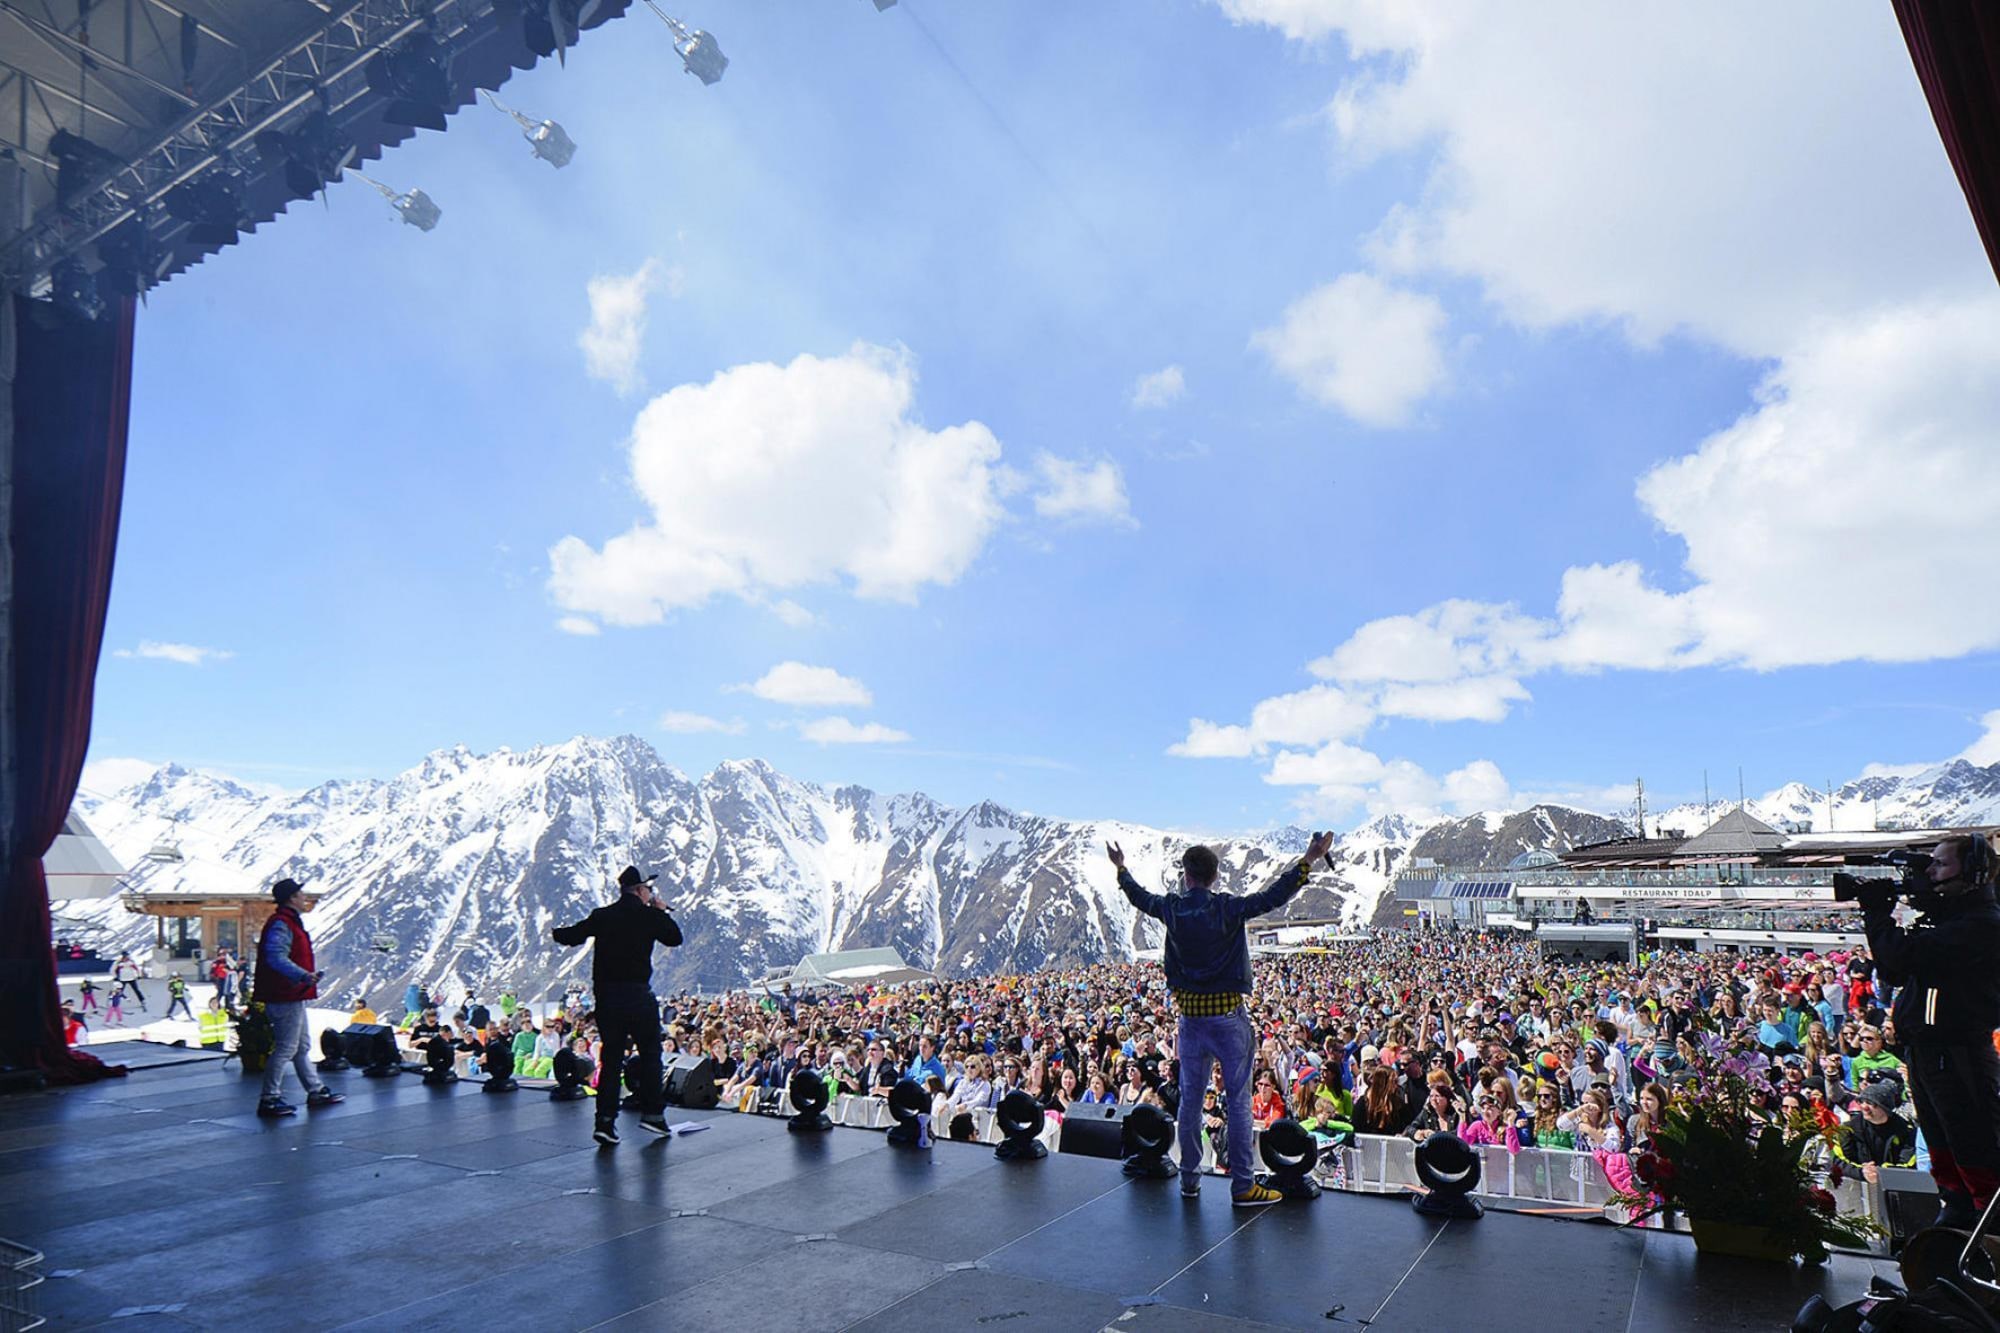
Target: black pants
[
  {"x": 1957, "y": 1090},
  {"x": 137, "y": 994},
  {"x": 181, "y": 1003},
  {"x": 635, "y": 1019}
]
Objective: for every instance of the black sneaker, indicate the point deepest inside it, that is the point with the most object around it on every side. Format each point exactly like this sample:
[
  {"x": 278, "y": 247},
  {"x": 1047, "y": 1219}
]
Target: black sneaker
[
  {"x": 1190, "y": 1189},
  {"x": 654, "y": 1124},
  {"x": 276, "y": 1110},
  {"x": 607, "y": 1135}
]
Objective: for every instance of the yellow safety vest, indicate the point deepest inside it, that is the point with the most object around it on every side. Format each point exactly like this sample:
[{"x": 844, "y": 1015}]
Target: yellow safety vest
[{"x": 214, "y": 1027}]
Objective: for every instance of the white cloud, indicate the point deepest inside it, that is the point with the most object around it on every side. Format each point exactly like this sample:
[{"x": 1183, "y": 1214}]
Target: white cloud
[
  {"x": 1986, "y": 750},
  {"x": 1344, "y": 779},
  {"x": 840, "y": 731},
  {"x": 692, "y": 724},
  {"x": 1361, "y": 345},
  {"x": 1159, "y": 388},
  {"x": 611, "y": 342},
  {"x": 107, "y": 776},
  {"x": 792, "y": 614},
  {"x": 1580, "y": 189},
  {"x": 1082, "y": 492},
  {"x": 187, "y": 654},
  {"x": 773, "y": 477},
  {"x": 1208, "y": 740},
  {"x": 805, "y": 686},
  {"x": 582, "y": 626},
  {"x": 1475, "y": 699}
]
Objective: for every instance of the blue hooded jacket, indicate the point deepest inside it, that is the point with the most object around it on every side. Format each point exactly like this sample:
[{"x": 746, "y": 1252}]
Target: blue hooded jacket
[{"x": 1207, "y": 951}]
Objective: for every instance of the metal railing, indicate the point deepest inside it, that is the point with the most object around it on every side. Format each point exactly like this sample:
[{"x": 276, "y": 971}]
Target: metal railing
[
  {"x": 1567, "y": 1181},
  {"x": 20, "y": 1278}
]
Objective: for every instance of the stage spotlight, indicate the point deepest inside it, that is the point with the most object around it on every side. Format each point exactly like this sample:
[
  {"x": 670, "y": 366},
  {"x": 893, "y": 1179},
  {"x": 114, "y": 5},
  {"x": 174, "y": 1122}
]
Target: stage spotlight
[
  {"x": 545, "y": 137},
  {"x": 415, "y": 207},
  {"x": 212, "y": 206},
  {"x": 75, "y": 289},
  {"x": 911, "y": 1107},
  {"x": 416, "y": 78},
  {"x": 572, "y": 1073},
  {"x": 1449, "y": 1169},
  {"x": 333, "y": 1052},
  {"x": 437, "y": 1059},
  {"x": 1020, "y": 1118},
  {"x": 699, "y": 53},
  {"x": 311, "y": 155},
  {"x": 1149, "y": 1132},
  {"x": 1291, "y": 1153},
  {"x": 134, "y": 260},
  {"x": 809, "y": 1103},
  {"x": 80, "y": 164},
  {"x": 500, "y": 1067},
  {"x": 384, "y": 1060}
]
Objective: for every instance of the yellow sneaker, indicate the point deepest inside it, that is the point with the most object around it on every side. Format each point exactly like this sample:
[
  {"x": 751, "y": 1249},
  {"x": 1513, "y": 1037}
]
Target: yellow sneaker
[{"x": 1256, "y": 1197}]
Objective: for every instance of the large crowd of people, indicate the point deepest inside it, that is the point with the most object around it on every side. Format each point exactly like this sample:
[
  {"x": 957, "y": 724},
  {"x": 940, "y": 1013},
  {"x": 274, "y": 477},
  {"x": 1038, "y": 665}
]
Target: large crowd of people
[{"x": 1398, "y": 1034}]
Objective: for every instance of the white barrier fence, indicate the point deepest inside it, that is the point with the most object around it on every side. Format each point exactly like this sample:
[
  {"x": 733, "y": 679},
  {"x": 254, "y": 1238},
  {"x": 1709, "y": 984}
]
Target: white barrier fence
[{"x": 1376, "y": 1164}]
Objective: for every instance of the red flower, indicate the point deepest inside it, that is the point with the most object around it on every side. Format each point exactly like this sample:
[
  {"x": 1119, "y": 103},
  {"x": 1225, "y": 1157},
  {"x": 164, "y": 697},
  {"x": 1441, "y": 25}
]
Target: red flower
[
  {"x": 1821, "y": 1200},
  {"x": 1834, "y": 1173}
]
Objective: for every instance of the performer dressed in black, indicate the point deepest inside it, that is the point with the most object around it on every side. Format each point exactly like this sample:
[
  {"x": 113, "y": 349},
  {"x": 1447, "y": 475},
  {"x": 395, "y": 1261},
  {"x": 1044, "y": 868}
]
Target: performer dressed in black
[
  {"x": 1947, "y": 1007},
  {"x": 627, "y": 1013}
]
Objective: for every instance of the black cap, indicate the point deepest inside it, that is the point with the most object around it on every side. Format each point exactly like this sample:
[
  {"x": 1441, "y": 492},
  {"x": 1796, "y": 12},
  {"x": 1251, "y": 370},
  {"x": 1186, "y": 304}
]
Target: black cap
[
  {"x": 630, "y": 878},
  {"x": 284, "y": 890}
]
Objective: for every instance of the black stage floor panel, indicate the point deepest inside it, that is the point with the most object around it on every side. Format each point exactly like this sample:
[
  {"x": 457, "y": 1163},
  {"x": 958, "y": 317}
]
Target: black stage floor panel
[{"x": 167, "y": 1204}]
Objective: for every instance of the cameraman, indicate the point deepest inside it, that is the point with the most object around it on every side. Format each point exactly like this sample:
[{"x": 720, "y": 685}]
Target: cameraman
[{"x": 1947, "y": 1007}]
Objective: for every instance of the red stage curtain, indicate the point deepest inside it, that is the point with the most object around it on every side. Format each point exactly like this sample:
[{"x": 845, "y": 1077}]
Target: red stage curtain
[
  {"x": 1955, "y": 45},
  {"x": 72, "y": 391}
]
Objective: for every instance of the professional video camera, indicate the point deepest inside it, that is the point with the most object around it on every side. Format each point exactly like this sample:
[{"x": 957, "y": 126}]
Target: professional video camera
[{"x": 1913, "y": 880}]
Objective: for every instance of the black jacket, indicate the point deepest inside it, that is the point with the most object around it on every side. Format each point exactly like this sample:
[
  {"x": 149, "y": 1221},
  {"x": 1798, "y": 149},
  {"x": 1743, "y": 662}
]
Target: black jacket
[
  {"x": 1945, "y": 965},
  {"x": 626, "y": 932}
]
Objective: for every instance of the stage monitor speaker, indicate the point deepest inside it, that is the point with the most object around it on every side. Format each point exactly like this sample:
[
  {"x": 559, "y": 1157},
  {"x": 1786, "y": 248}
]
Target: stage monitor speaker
[
  {"x": 358, "y": 1041},
  {"x": 1095, "y": 1130},
  {"x": 690, "y": 1082}
]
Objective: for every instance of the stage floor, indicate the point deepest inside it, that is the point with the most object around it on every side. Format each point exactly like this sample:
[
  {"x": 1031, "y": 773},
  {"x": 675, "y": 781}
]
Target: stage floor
[{"x": 410, "y": 1207}]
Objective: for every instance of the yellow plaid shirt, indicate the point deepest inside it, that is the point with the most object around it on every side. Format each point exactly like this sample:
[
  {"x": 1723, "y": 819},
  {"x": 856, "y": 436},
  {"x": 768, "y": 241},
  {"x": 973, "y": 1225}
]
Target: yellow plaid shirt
[{"x": 1193, "y": 1004}]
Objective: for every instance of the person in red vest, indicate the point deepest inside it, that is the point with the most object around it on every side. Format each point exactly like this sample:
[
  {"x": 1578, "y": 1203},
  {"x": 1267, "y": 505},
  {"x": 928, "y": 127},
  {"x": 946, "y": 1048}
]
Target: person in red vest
[{"x": 286, "y": 979}]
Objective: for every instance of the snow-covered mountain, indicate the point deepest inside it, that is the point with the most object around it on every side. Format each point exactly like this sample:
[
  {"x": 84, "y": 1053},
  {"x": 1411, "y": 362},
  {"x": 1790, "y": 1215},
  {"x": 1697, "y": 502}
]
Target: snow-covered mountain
[
  {"x": 1956, "y": 793},
  {"x": 455, "y": 870},
  {"x": 462, "y": 864}
]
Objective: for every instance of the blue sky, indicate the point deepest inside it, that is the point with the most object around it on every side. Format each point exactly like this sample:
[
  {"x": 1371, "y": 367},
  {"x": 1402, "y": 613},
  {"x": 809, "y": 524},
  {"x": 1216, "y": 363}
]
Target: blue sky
[{"x": 1379, "y": 408}]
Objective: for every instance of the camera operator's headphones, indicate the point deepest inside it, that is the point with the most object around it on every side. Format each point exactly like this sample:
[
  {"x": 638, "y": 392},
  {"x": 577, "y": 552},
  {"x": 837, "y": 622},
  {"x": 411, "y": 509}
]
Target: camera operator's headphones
[{"x": 1976, "y": 860}]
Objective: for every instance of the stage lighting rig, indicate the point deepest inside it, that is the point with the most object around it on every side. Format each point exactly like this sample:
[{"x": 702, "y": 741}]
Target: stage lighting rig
[
  {"x": 312, "y": 155},
  {"x": 809, "y": 1103},
  {"x": 1449, "y": 1169},
  {"x": 546, "y": 138},
  {"x": 500, "y": 1068},
  {"x": 333, "y": 1052},
  {"x": 212, "y": 206},
  {"x": 413, "y": 206},
  {"x": 1291, "y": 1153},
  {"x": 699, "y": 51},
  {"x": 910, "y": 1105},
  {"x": 1020, "y": 1118},
  {"x": 571, "y": 1072},
  {"x": 80, "y": 163},
  {"x": 416, "y": 77},
  {"x": 133, "y": 258},
  {"x": 437, "y": 1059},
  {"x": 75, "y": 289},
  {"x": 881, "y": 5},
  {"x": 1147, "y": 1135}
]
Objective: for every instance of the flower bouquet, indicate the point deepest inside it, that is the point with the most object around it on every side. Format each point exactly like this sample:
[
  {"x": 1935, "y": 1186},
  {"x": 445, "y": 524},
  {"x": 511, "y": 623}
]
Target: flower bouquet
[
  {"x": 254, "y": 1036},
  {"x": 1744, "y": 1183}
]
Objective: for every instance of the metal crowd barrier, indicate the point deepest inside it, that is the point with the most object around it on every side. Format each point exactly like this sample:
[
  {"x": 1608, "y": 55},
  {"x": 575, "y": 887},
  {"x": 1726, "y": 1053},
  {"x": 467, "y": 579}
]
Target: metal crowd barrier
[
  {"x": 20, "y": 1276},
  {"x": 1379, "y": 1164}
]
